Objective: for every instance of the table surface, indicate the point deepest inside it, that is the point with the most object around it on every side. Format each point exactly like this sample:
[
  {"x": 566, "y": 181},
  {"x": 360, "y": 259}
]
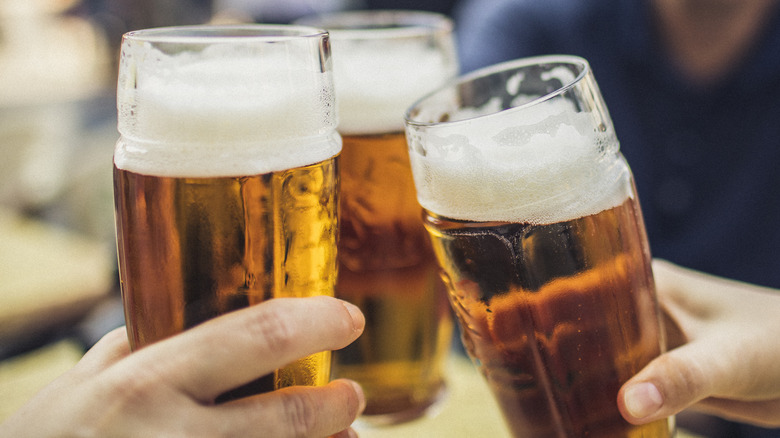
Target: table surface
[{"x": 467, "y": 410}]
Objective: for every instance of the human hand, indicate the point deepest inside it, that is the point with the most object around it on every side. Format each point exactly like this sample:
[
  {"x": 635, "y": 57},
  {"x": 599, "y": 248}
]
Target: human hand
[
  {"x": 724, "y": 358},
  {"x": 168, "y": 388}
]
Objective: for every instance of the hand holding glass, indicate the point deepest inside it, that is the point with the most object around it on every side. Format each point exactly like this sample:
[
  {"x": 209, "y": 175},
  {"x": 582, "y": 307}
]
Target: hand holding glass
[
  {"x": 225, "y": 178},
  {"x": 536, "y": 224}
]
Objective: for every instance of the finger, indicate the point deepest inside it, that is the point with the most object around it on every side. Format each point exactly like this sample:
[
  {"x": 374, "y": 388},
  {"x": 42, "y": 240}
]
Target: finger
[
  {"x": 670, "y": 383},
  {"x": 735, "y": 319},
  {"x": 296, "y": 411},
  {"x": 347, "y": 433},
  {"x": 112, "y": 347},
  {"x": 236, "y": 348},
  {"x": 108, "y": 350},
  {"x": 686, "y": 300}
]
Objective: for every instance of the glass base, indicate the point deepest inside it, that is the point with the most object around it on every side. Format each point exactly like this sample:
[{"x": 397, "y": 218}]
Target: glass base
[{"x": 431, "y": 408}]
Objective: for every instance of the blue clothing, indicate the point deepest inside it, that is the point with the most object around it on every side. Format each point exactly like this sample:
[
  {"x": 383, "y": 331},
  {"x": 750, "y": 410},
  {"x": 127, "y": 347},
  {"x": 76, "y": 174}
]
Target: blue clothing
[{"x": 705, "y": 159}]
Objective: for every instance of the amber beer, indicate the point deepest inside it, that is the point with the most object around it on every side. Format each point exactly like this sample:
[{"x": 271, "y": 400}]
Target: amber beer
[
  {"x": 387, "y": 269},
  {"x": 535, "y": 222},
  {"x": 225, "y": 179},
  {"x": 558, "y": 316},
  {"x": 382, "y": 62}
]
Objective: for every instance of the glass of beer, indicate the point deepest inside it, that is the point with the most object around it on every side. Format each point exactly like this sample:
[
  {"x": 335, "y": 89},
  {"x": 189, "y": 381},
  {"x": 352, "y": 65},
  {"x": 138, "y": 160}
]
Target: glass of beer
[
  {"x": 383, "y": 61},
  {"x": 225, "y": 178},
  {"x": 536, "y": 224}
]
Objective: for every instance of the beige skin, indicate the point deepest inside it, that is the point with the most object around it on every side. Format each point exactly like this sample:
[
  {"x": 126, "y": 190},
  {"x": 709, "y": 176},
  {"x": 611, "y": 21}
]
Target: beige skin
[
  {"x": 708, "y": 38},
  {"x": 168, "y": 388},
  {"x": 724, "y": 352}
]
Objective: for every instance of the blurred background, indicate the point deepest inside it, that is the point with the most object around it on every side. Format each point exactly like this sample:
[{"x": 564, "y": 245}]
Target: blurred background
[{"x": 58, "y": 62}]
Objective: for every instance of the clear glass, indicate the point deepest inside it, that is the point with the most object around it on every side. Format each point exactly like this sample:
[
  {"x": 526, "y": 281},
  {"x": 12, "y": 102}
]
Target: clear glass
[
  {"x": 225, "y": 178},
  {"x": 537, "y": 227},
  {"x": 383, "y": 61}
]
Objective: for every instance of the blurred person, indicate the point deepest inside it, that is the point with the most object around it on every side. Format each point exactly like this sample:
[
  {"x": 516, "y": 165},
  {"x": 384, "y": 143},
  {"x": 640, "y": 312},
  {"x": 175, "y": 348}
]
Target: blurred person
[
  {"x": 169, "y": 388},
  {"x": 277, "y": 11},
  {"x": 287, "y": 11},
  {"x": 116, "y": 17},
  {"x": 441, "y": 6},
  {"x": 691, "y": 87}
]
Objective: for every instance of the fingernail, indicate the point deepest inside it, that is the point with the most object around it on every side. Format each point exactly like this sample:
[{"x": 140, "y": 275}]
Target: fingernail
[
  {"x": 356, "y": 314},
  {"x": 642, "y": 400},
  {"x": 361, "y": 397}
]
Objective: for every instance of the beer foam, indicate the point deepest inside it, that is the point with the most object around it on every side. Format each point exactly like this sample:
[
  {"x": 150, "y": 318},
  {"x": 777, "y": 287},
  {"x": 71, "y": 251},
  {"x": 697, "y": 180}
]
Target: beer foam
[
  {"x": 504, "y": 171},
  {"x": 377, "y": 80},
  {"x": 224, "y": 111}
]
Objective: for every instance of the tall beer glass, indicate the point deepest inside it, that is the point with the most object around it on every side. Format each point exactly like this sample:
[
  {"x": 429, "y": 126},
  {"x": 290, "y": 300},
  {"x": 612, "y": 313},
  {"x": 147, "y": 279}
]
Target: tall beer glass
[
  {"x": 225, "y": 178},
  {"x": 383, "y": 61},
  {"x": 536, "y": 224}
]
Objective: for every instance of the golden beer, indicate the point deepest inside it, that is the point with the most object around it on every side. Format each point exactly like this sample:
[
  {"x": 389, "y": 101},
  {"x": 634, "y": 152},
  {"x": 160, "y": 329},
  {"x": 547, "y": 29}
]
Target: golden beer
[
  {"x": 382, "y": 62},
  {"x": 387, "y": 269},
  {"x": 536, "y": 224},
  {"x": 214, "y": 245},
  {"x": 225, "y": 179}
]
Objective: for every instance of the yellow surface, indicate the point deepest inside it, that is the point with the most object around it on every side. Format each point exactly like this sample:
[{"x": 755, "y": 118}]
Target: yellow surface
[
  {"x": 23, "y": 376},
  {"x": 467, "y": 411},
  {"x": 47, "y": 275}
]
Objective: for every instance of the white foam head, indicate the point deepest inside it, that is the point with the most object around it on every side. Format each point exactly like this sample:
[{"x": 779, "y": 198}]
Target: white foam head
[
  {"x": 383, "y": 61},
  {"x": 538, "y": 163},
  {"x": 227, "y": 109},
  {"x": 376, "y": 80}
]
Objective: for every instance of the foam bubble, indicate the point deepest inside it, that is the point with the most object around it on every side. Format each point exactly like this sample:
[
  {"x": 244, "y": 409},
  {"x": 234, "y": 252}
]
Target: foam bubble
[
  {"x": 504, "y": 170},
  {"x": 377, "y": 80},
  {"x": 223, "y": 112}
]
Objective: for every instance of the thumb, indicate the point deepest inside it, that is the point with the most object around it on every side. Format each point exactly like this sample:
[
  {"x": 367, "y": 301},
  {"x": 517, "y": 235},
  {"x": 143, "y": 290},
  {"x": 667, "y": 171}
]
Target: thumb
[{"x": 671, "y": 383}]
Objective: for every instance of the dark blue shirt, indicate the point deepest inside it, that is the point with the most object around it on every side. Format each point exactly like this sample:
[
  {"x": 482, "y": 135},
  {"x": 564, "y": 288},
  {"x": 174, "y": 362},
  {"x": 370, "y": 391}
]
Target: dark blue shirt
[{"x": 705, "y": 159}]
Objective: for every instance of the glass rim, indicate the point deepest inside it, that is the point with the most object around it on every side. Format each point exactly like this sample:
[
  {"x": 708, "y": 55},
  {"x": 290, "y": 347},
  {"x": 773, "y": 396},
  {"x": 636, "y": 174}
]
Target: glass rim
[
  {"x": 493, "y": 70},
  {"x": 380, "y": 23},
  {"x": 212, "y": 33}
]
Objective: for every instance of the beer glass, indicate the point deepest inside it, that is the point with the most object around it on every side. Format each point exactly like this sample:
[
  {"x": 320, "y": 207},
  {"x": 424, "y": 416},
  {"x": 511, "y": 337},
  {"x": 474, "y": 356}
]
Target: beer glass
[
  {"x": 536, "y": 224},
  {"x": 383, "y": 61},
  {"x": 225, "y": 178}
]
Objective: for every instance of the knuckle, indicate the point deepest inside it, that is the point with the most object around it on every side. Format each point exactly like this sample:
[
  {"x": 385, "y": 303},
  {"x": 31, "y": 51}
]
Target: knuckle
[
  {"x": 271, "y": 330},
  {"x": 300, "y": 412},
  {"x": 134, "y": 389},
  {"x": 138, "y": 385},
  {"x": 687, "y": 378}
]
